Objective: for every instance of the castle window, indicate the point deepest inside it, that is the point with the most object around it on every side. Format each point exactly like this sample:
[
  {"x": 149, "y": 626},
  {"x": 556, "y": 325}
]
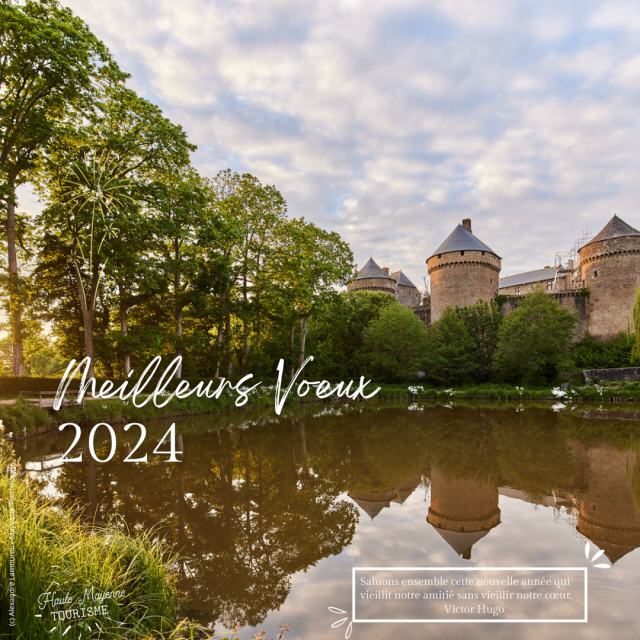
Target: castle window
[
  {"x": 549, "y": 285},
  {"x": 491, "y": 280},
  {"x": 517, "y": 291},
  {"x": 439, "y": 256},
  {"x": 483, "y": 253},
  {"x": 595, "y": 274},
  {"x": 462, "y": 253}
]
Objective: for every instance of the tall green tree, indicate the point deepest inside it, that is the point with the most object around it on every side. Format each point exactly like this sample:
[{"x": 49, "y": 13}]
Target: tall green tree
[
  {"x": 396, "y": 343},
  {"x": 482, "y": 321},
  {"x": 309, "y": 264},
  {"x": 448, "y": 358},
  {"x": 179, "y": 201},
  {"x": 50, "y": 63},
  {"x": 534, "y": 340}
]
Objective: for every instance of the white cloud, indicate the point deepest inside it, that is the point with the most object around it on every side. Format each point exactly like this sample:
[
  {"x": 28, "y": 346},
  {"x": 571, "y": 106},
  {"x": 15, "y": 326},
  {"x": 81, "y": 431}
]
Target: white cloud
[{"x": 391, "y": 121}]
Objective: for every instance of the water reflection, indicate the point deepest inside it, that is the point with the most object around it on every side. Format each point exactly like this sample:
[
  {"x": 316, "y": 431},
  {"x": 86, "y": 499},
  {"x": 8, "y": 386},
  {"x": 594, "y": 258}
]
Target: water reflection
[{"x": 252, "y": 504}]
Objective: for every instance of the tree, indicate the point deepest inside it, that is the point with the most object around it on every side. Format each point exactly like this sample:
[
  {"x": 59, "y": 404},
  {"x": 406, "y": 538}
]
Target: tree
[
  {"x": 95, "y": 178},
  {"x": 534, "y": 340},
  {"x": 49, "y": 64},
  {"x": 482, "y": 321},
  {"x": 396, "y": 342},
  {"x": 449, "y": 350},
  {"x": 179, "y": 204},
  {"x": 337, "y": 332},
  {"x": 309, "y": 264}
]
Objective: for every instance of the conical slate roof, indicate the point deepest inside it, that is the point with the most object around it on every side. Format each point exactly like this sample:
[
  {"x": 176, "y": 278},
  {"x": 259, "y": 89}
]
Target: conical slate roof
[
  {"x": 461, "y": 239},
  {"x": 372, "y": 270},
  {"x": 400, "y": 278},
  {"x": 615, "y": 228}
]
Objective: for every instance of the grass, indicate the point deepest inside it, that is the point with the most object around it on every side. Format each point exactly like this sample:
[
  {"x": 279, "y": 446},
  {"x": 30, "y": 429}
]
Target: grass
[
  {"x": 55, "y": 550},
  {"x": 508, "y": 392},
  {"x": 21, "y": 415}
]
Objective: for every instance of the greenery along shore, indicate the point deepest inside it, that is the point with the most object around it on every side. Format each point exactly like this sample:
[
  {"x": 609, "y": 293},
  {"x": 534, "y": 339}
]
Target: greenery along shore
[{"x": 23, "y": 418}]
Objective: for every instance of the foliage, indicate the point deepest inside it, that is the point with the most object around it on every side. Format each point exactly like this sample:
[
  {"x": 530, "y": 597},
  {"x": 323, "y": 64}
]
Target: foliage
[
  {"x": 635, "y": 352},
  {"x": 395, "y": 342},
  {"x": 337, "y": 333},
  {"x": 612, "y": 353},
  {"x": 482, "y": 321},
  {"x": 21, "y": 417},
  {"x": 534, "y": 340},
  {"x": 448, "y": 358}
]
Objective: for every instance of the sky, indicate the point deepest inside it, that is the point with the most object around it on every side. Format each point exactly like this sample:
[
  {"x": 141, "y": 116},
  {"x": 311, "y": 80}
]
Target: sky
[{"x": 389, "y": 121}]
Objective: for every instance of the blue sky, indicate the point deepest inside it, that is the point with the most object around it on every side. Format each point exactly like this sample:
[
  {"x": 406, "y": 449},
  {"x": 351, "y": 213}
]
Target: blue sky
[{"x": 390, "y": 121}]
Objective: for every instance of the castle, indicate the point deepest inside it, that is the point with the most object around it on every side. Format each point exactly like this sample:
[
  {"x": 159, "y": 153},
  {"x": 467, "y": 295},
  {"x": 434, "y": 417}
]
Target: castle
[{"x": 599, "y": 287}]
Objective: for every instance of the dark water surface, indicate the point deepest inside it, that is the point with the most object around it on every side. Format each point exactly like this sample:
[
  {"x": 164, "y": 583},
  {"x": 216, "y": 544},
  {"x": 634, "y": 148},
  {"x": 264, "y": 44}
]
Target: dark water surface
[{"x": 272, "y": 512}]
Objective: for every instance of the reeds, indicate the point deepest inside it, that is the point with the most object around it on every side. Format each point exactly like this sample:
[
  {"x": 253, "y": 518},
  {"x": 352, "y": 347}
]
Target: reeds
[{"x": 55, "y": 551}]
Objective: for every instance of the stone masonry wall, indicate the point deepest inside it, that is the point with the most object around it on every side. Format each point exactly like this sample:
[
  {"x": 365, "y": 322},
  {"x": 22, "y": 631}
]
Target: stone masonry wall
[
  {"x": 461, "y": 280},
  {"x": 407, "y": 296},
  {"x": 373, "y": 284},
  {"x": 624, "y": 374},
  {"x": 572, "y": 300},
  {"x": 610, "y": 271}
]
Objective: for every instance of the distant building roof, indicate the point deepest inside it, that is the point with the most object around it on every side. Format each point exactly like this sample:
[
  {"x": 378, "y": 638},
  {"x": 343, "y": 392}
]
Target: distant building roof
[
  {"x": 615, "y": 228},
  {"x": 529, "y": 277},
  {"x": 461, "y": 239},
  {"x": 400, "y": 278},
  {"x": 371, "y": 270}
]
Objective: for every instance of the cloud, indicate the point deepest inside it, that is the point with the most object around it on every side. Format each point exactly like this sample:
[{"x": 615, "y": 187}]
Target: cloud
[{"x": 391, "y": 121}]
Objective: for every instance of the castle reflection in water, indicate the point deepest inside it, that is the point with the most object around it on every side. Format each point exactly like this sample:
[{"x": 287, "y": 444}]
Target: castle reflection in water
[
  {"x": 253, "y": 502},
  {"x": 600, "y": 503}
]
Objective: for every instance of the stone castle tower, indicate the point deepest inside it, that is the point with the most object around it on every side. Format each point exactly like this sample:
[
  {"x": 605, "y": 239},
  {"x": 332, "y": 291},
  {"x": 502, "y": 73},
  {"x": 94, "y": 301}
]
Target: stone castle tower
[
  {"x": 610, "y": 266},
  {"x": 373, "y": 278},
  {"x": 462, "y": 270}
]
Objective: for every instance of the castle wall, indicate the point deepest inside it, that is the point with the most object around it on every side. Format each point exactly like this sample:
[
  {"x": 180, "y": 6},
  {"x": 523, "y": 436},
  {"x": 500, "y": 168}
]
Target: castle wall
[
  {"x": 523, "y": 289},
  {"x": 385, "y": 285},
  {"x": 610, "y": 271},
  {"x": 461, "y": 278},
  {"x": 423, "y": 312},
  {"x": 407, "y": 296},
  {"x": 572, "y": 300}
]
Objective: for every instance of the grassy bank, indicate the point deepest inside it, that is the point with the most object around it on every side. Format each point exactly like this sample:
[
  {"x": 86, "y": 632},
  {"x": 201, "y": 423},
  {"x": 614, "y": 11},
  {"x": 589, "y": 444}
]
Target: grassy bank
[
  {"x": 21, "y": 416},
  {"x": 510, "y": 392},
  {"x": 51, "y": 545}
]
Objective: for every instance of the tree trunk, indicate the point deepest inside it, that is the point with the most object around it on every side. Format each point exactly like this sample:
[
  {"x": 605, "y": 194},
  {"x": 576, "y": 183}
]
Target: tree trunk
[
  {"x": 292, "y": 337},
  {"x": 87, "y": 306},
  {"x": 228, "y": 332},
  {"x": 88, "y": 339},
  {"x": 176, "y": 289},
  {"x": 245, "y": 327},
  {"x": 14, "y": 291},
  {"x": 219, "y": 338},
  {"x": 126, "y": 356},
  {"x": 303, "y": 340}
]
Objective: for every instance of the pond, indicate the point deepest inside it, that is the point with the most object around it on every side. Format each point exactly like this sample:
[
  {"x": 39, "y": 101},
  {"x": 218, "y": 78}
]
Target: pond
[{"x": 271, "y": 513}]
